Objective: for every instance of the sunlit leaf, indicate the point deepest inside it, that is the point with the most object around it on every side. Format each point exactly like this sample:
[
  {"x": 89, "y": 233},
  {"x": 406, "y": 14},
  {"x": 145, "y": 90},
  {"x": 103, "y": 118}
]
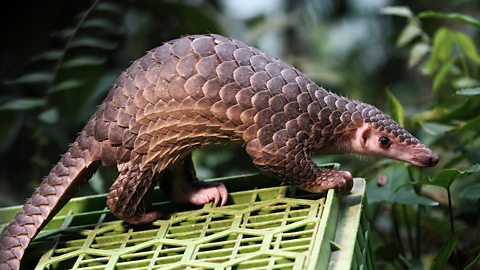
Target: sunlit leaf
[
  {"x": 410, "y": 32},
  {"x": 83, "y": 61},
  {"x": 465, "y": 82},
  {"x": 450, "y": 16},
  {"x": 50, "y": 116},
  {"x": 469, "y": 92},
  {"x": 396, "y": 109},
  {"x": 473, "y": 169},
  {"x": 401, "y": 11},
  {"x": 418, "y": 51},
  {"x": 32, "y": 78},
  {"x": 467, "y": 46},
  {"x": 442, "y": 74},
  {"x": 22, "y": 104},
  {"x": 440, "y": 260},
  {"x": 441, "y": 50}
]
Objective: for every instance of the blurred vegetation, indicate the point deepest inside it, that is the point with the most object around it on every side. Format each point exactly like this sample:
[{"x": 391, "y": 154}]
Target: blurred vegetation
[{"x": 419, "y": 60}]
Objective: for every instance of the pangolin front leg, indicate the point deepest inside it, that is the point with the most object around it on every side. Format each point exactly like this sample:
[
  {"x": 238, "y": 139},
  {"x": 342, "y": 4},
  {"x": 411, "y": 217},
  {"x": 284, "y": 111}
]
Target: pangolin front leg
[{"x": 295, "y": 166}]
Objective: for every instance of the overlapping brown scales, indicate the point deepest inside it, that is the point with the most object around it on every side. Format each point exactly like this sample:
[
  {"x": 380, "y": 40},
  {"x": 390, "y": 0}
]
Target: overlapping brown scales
[{"x": 194, "y": 91}]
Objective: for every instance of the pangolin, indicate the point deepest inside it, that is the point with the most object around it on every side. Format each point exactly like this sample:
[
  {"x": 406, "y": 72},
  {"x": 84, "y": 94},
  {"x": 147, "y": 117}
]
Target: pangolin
[{"x": 200, "y": 90}]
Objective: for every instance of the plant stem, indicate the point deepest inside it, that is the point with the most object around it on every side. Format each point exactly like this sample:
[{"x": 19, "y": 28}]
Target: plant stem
[
  {"x": 419, "y": 230},
  {"x": 397, "y": 230},
  {"x": 409, "y": 231}
]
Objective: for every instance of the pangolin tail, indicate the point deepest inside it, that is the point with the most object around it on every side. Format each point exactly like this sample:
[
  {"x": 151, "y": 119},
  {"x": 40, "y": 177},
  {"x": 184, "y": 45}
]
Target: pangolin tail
[{"x": 73, "y": 169}]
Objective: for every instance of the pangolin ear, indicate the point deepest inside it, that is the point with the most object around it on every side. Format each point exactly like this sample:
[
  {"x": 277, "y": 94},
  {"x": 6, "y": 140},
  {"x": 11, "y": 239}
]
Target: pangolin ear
[{"x": 365, "y": 136}]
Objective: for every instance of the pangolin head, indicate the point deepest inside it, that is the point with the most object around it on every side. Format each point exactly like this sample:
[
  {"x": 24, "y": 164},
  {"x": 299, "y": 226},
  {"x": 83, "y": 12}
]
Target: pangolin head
[
  {"x": 375, "y": 133},
  {"x": 380, "y": 135}
]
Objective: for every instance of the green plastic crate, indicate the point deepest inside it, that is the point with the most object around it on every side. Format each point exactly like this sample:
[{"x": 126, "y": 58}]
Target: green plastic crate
[{"x": 263, "y": 226}]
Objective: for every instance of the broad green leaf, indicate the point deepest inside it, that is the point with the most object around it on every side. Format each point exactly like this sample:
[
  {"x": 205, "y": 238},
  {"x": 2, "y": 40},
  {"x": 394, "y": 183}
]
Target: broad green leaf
[
  {"x": 396, "y": 109},
  {"x": 472, "y": 125},
  {"x": 93, "y": 42},
  {"x": 23, "y": 104},
  {"x": 468, "y": 92},
  {"x": 442, "y": 48},
  {"x": 442, "y": 74},
  {"x": 445, "y": 251},
  {"x": 401, "y": 11},
  {"x": 65, "y": 85},
  {"x": 50, "y": 116},
  {"x": 472, "y": 193},
  {"x": 450, "y": 16},
  {"x": 32, "y": 78},
  {"x": 446, "y": 177},
  {"x": 397, "y": 188},
  {"x": 473, "y": 169},
  {"x": 418, "y": 51},
  {"x": 467, "y": 46},
  {"x": 83, "y": 61},
  {"x": 406, "y": 195},
  {"x": 409, "y": 33},
  {"x": 436, "y": 129}
]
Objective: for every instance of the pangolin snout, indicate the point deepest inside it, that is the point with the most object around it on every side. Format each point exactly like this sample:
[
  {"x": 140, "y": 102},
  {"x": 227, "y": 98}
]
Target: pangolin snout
[
  {"x": 432, "y": 160},
  {"x": 428, "y": 159}
]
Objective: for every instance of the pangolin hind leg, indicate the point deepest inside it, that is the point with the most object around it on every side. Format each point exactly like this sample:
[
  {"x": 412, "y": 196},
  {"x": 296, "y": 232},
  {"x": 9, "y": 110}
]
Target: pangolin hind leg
[
  {"x": 297, "y": 167},
  {"x": 180, "y": 184},
  {"x": 128, "y": 196}
]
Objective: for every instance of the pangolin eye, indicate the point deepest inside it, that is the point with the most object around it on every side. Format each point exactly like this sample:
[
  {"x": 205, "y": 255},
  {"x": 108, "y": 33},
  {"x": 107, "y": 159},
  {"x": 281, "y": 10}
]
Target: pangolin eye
[{"x": 384, "y": 141}]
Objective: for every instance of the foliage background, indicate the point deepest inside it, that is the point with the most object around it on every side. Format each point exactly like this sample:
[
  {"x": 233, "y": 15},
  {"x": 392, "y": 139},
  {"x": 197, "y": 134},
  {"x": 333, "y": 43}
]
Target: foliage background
[{"x": 59, "y": 58}]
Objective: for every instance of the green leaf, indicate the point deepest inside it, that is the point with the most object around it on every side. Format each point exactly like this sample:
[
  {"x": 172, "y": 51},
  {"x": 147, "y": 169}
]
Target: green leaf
[
  {"x": 397, "y": 188},
  {"x": 83, "y": 61},
  {"x": 418, "y": 51},
  {"x": 396, "y": 108},
  {"x": 50, "y": 55},
  {"x": 50, "y": 116},
  {"x": 442, "y": 74},
  {"x": 436, "y": 129},
  {"x": 93, "y": 42},
  {"x": 445, "y": 251},
  {"x": 410, "y": 32},
  {"x": 32, "y": 78},
  {"x": 467, "y": 46},
  {"x": 101, "y": 23},
  {"x": 473, "y": 264},
  {"x": 66, "y": 85},
  {"x": 472, "y": 125},
  {"x": 23, "y": 104},
  {"x": 441, "y": 51},
  {"x": 409, "y": 197},
  {"x": 446, "y": 177},
  {"x": 401, "y": 11},
  {"x": 472, "y": 193},
  {"x": 465, "y": 82},
  {"x": 450, "y": 16}
]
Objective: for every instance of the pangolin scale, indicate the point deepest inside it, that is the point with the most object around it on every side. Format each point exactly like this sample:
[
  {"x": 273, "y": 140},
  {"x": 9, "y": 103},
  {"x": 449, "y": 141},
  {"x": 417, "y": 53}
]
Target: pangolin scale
[{"x": 200, "y": 90}]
